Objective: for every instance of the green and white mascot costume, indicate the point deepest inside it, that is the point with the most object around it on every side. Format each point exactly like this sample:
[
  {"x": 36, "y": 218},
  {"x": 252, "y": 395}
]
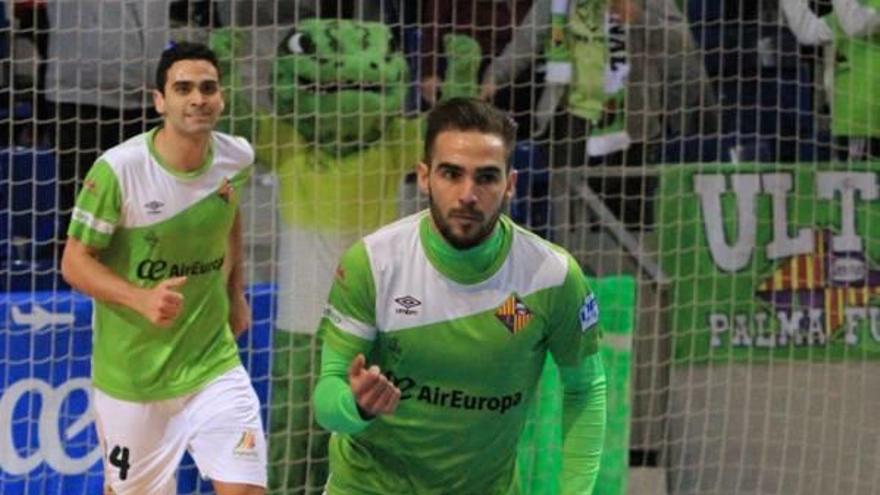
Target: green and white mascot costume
[{"x": 340, "y": 147}]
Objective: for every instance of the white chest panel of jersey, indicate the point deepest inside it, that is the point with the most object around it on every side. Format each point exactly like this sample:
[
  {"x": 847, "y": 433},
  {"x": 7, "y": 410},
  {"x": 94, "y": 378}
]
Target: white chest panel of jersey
[
  {"x": 152, "y": 194},
  {"x": 411, "y": 292}
]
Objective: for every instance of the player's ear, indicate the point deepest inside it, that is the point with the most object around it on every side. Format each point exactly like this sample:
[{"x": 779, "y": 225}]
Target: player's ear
[
  {"x": 423, "y": 173},
  {"x": 510, "y": 190},
  {"x": 159, "y": 101}
]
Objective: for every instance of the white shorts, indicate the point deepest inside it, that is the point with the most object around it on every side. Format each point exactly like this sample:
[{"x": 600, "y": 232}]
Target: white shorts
[{"x": 143, "y": 442}]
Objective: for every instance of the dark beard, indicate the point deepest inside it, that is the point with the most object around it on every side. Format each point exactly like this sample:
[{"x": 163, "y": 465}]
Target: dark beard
[{"x": 446, "y": 230}]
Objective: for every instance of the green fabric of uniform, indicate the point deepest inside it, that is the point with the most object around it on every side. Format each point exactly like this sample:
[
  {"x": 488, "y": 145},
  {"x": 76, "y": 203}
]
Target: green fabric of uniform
[
  {"x": 466, "y": 266},
  {"x": 334, "y": 399},
  {"x": 132, "y": 359},
  {"x": 466, "y": 374},
  {"x": 583, "y": 424}
]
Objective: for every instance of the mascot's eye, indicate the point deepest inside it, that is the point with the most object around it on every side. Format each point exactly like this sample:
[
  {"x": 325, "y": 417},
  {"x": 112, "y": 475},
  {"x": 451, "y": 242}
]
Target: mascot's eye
[{"x": 300, "y": 43}]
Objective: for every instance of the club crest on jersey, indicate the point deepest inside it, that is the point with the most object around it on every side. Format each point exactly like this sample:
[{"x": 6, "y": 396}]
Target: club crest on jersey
[
  {"x": 589, "y": 313},
  {"x": 247, "y": 444},
  {"x": 226, "y": 190},
  {"x": 513, "y": 314}
]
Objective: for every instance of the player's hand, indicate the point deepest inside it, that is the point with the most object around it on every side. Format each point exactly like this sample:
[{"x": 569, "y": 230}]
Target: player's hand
[
  {"x": 629, "y": 11},
  {"x": 163, "y": 303},
  {"x": 429, "y": 87},
  {"x": 239, "y": 313},
  {"x": 374, "y": 393},
  {"x": 488, "y": 90}
]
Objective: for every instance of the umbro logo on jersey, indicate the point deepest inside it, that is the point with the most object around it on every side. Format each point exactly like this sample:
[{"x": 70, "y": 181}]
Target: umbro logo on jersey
[
  {"x": 407, "y": 303},
  {"x": 513, "y": 314},
  {"x": 154, "y": 207}
]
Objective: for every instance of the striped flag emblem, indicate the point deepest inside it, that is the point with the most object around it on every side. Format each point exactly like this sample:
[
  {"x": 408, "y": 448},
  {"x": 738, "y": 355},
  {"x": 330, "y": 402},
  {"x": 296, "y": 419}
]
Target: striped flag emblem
[{"x": 513, "y": 314}]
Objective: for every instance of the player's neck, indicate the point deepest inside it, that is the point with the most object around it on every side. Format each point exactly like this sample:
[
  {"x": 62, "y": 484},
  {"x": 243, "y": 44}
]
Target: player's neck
[
  {"x": 465, "y": 266},
  {"x": 184, "y": 153}
]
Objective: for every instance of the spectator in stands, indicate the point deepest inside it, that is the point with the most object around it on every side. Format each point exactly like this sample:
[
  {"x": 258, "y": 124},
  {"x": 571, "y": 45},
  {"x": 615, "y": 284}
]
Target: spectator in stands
[
  {"x": 490, "y": 23},
  {"x": 635, "y": 78},
  {"x": 850, "y": 34}
]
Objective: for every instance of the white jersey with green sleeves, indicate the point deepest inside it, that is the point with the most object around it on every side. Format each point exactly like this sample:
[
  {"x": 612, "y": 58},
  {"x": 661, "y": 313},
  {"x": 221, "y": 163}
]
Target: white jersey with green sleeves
[
  {"x": 152, "y": 223},
  {"x": 466, "y": 356}
]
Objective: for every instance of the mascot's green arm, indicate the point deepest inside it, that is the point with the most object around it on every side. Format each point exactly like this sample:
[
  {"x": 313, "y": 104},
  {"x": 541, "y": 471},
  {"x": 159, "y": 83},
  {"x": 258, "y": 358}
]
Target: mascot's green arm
[{"x": 463, "y": 57}]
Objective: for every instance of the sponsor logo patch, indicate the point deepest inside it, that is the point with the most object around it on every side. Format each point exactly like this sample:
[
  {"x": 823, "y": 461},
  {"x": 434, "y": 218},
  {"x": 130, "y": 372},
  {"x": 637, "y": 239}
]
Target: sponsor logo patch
[
  {"x": 247, "y": 444},
  {"x": 513, "y": 314},
  {"x": 589, "y": 313}
]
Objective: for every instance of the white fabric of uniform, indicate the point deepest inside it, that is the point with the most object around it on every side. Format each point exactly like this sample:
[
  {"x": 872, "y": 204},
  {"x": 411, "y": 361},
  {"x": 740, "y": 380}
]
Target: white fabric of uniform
[{"x": 219, "y": 425}]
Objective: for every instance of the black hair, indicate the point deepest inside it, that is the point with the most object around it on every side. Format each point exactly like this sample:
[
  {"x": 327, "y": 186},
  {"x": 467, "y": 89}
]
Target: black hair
[
  {"x": 468, "y": 114},
  {"x": 182, "y": 50}
]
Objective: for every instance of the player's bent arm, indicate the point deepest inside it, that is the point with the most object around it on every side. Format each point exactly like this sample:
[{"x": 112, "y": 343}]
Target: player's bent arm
[
  {"x": 334, "y": 402},
  {"x": 84, "y": 272},
  {"x": 583, "y": 424},
  {"x": 807, "y": 27},
  {"x": 239, "y": 310},
  {"x": 857, "y": 19}
]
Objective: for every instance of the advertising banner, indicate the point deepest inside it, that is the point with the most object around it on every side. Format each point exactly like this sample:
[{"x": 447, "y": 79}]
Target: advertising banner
[{"x": 48, "y": 443}]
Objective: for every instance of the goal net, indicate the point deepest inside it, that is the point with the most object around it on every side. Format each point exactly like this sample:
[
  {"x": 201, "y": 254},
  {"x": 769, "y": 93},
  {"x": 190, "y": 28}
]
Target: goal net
[{"x": 721, "y": 154}]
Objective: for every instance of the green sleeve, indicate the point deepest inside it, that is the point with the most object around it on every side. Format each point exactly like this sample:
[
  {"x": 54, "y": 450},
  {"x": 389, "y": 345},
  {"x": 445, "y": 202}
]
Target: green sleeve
[
  {"x": 574, "y": 333},
  {"x": 347, "y": 329},
  {"x": 349, "y": 322},
  {"x": 583, "y": 424},
  {"x": 98, "y": 207},
  {"x": 335, "y": 407}
]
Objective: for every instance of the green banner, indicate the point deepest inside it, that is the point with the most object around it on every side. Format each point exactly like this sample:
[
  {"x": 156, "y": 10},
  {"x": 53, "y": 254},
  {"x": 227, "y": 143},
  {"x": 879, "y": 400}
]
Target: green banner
[{"x": 772, "y": 261}]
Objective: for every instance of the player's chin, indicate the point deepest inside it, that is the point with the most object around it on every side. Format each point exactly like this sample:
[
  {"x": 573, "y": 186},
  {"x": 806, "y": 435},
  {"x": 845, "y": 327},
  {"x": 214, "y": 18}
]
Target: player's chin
[
  {"x": 465, "y": 238},
  {"x": 201, "y": 127}
]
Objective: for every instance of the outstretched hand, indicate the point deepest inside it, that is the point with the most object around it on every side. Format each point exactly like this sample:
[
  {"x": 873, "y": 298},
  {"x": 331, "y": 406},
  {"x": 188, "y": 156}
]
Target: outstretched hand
[{"x": 374, "y": 393}]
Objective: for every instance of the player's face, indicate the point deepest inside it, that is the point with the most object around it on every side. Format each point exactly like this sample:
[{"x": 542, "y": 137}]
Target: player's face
[
  {"x": 468, "y": 185},
  {"x": 192, "y": 101}
]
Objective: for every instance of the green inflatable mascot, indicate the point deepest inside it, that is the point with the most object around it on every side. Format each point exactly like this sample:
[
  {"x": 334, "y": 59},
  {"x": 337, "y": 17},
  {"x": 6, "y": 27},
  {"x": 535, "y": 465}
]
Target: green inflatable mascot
[{"x": 340, "y": 147}]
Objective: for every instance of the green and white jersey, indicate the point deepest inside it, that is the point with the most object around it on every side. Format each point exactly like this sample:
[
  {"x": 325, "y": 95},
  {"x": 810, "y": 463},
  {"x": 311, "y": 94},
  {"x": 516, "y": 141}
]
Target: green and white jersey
[
  {"x": 152, "y": 223},
  {"x": 465, "y": 350}
]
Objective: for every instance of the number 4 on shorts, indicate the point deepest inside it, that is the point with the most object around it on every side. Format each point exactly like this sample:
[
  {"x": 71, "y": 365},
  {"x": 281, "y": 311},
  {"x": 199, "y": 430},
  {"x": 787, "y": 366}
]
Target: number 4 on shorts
[{"x": 119, "y": 459}]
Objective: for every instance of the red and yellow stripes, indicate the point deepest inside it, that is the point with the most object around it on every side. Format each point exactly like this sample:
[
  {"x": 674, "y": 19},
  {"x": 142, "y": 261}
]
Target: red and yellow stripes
[{"x": 514, "y": 314}]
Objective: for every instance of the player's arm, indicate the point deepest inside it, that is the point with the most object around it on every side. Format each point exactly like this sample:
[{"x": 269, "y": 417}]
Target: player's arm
[
  {"x": 857, "y": 19},
  {"x": 239, "y": 310},
  {"x": 83, "y": 270},
  {"x": 350, "y": 392},
  {"x": 91, "y": 228},
  {"x": 574, "y": 345},
  {"x": 583, "y": 423},
  {"x": 807, "y": 27}
]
